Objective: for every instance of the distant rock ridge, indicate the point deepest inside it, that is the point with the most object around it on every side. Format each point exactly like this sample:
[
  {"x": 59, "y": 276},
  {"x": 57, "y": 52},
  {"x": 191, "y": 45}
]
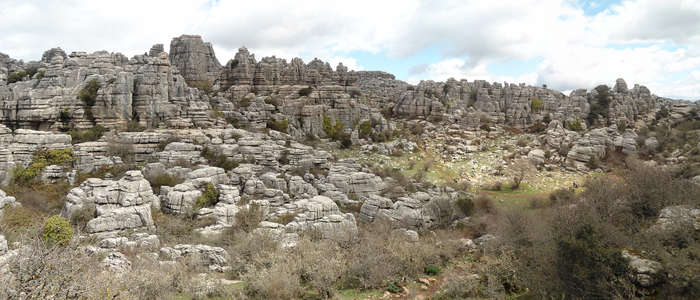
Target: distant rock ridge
[{"x": 182, "y": 89}]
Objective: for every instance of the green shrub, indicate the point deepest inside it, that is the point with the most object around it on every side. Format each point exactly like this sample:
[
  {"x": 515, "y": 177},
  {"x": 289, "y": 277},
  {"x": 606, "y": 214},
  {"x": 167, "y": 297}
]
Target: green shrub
[
  {"x": 41, "y": 159},
  {"x": 602, "y": 106},
  {"x": 202, "y": 85},
  {"x": 536, "y": 105},
  {"x": 64, "y": 116},
  {"x": 40, "y": 75},
  {"x": 16, "y": 76},
  {"x": 281, "y": 125},
  {"x": 218, "y": 159},
  {"x": 465, "y": 205},
  {"x": 305, "y": 91},
  {"x": 574, "y": 125},
  {"x": 88, "y": 94},
  {"x": 394, "y": 288},
  {"x": 335, "y": 132},
  {"x": 209, "y": 198},
  {"x": 365, "y": 129},
  {"x": 432, "y": 270},
  {"x": 57, "y": 231},
  {"x": 345, "y": 140},
  {"x": 244, "y": 102},
  {"x": 547, "y": 118},
  {"x": 19, "y": 75},
  {"x": 662, "y": 113},
  {"x": 89, "y": 135},
  {"x": 587, "y": 265}
]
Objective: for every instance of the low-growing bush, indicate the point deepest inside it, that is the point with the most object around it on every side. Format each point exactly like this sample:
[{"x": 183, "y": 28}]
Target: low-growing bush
[
  {"x": 305, "y": 91},
  {"x": 278, "y": 125},
  {"x": 365, "y": 129},
  {"x": 465, "y": 204},
  {"x": 432, "y": 270},
  {"x": 248, "y": 217},
  {"x": 536, "y": 105},
  {"x": 57, "y": 231},
  {"x": 40, "y": 160},
  {"x": 88, "y": 135},
  {"x": 484, "y": 204},
  {"x": 209, "y": 198},
  {"x": 562, "y": 196},
  {"x": 218, "y": 159},
  {"x": 574, "y": 125},
  {"x": 80, "y": 218}
]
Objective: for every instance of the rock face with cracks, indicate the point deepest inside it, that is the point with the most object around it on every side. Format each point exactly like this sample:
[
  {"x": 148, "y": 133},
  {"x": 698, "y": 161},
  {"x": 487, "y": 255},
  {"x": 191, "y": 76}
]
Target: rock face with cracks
[{"x": 119, "y": 205}]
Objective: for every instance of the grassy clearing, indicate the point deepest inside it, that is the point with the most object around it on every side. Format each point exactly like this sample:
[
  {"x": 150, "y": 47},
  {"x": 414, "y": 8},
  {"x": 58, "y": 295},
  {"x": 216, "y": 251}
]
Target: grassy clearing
[{"x": 354, "y": 294}]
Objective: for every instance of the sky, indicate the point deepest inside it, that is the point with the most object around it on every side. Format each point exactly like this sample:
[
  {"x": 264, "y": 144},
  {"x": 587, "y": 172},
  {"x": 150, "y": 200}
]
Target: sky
[{"x": 565, "y": 44}]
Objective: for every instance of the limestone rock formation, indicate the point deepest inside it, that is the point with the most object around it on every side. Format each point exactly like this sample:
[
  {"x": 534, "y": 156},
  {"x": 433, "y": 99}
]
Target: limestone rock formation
[
  {"x": 7, "y": 201},
  {"x": 194, "y": 59},
  {"x": 119, "y": 205}
]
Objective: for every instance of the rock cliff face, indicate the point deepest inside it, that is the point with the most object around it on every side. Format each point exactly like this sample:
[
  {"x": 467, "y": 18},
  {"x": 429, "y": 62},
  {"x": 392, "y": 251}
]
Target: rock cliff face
[
  {"x": 153, "y": 90},
  {"x": 194, "y": 58},
  {"x": 145, "y": 89}
]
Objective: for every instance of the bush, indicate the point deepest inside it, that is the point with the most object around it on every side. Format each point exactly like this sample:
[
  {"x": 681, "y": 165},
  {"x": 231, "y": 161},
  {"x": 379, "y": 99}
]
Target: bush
[
  {"x": 202, "y": 85},
  {"x": 209, "y": 198},
  {"x": 89, "y": 135},
  {"x": 485, "y": 204},
  {"x": 574, "y": 125},
  {"x": 218, "y": 159},
  {"x": 305, "y": 91},
  {"x": 538, "y": 127},
  {"x": 536, "y": 105},
  {"x": 345, "y": 141},
  {"x": 432, "y": 270},
  {"x": 88, "y": 94},
  {"x": 518, "y": 171},
  {"x": 41, "y": 159},
  {"x": 394, "y": 288},
  {"x": 589, "y": 266},
  {"x": 602, "y": 106},
  {"x": 365, "y": 129},
  {"x": 331, "y": 130},
  {"x": 80, "y": 218},
  {"x": 465, "y": 204},
  {"x": 16, "y": 76},
  {"x": 57, "y": 231},
  {"x": 281, "y": 125},
  {"x": 244, "y": 102},
  {"x": 561, "y": 196},
  {"x": 249, "y": 216}
]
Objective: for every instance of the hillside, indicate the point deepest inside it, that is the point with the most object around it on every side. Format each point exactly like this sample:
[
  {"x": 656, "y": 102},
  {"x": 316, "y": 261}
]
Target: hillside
[{"x": 171, "y": 176}]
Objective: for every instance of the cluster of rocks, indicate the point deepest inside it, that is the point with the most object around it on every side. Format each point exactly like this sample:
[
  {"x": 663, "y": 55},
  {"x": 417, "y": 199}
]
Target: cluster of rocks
[{"x": 118, "y": 205}]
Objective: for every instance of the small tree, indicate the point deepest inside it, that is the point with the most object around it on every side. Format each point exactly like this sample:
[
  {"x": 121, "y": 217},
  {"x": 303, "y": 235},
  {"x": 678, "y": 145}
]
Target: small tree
[{"x": 518, "y": 172}]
